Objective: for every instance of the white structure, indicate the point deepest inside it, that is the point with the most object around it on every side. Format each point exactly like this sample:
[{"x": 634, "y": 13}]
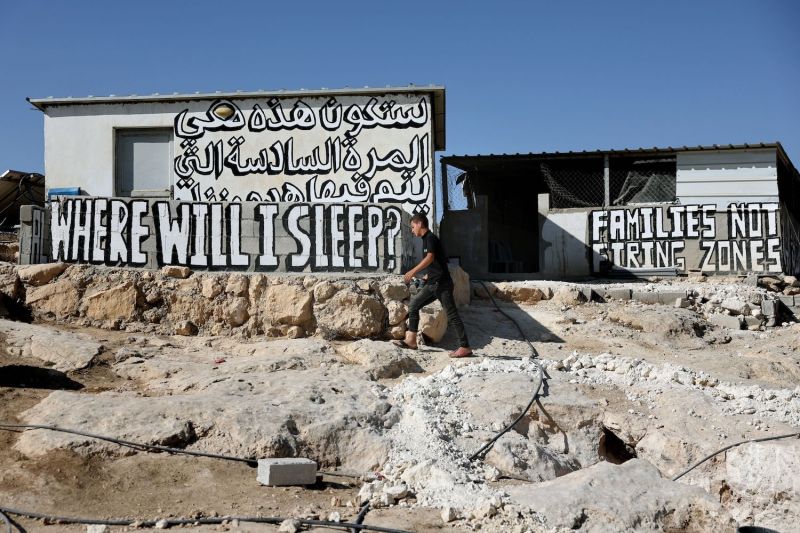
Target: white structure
[{"x": 349, "y": 145}]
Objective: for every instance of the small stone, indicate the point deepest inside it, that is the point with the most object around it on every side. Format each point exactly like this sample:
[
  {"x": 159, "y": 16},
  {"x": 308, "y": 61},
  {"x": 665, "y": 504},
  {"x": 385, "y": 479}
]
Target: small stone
[
  {"x": 290, "y": 525},
  {"x": 295, "y": 332},
  {"x": 186, "y": 328},
  {"x": 97, "y": 528},
  {"x": 162, "y": 524},
  {"x": 448, "y": 515},
  {"x": 398, "y": 492},
  {"x": 334, "y": 517},
  {"x": 174, "y": 271}
]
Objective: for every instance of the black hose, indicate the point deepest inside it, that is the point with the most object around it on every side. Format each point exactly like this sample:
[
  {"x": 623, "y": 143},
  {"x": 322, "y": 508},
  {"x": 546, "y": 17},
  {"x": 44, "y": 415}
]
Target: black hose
[
  {"x": 135, "y": 445},
  {"x": 540, "y": 378},
  {"x": 726, "y": 448},
  {"x": 360, "y": 516},
  {"x": 204, "y": 520},
  {"x": 7, "y": 522}
]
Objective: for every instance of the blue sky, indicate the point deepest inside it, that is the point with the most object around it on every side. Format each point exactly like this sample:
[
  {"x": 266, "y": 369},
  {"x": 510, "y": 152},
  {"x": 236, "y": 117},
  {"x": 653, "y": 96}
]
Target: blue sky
[{"x": 520, "y": 76}]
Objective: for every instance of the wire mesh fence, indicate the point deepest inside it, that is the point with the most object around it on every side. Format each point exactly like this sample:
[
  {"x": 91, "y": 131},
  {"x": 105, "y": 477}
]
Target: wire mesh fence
[
  {"x": 641, "y": 181},
  {"x": 458, "y": 196},
  {"x": 580, "y": 182}
]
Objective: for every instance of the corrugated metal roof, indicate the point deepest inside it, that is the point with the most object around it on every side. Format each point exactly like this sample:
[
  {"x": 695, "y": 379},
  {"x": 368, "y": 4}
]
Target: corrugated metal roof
[
  {"x": 438, "y": 103},
  {"x": 455, "y": 159}
]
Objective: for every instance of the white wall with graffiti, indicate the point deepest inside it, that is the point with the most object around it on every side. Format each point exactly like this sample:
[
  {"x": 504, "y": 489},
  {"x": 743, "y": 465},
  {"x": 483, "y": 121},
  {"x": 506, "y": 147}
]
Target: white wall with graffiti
[{"x": 318, "y": 147}]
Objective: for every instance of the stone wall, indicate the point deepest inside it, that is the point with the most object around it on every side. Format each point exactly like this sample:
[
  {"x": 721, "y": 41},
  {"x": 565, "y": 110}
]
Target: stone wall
[{"x": 177, "y": 300}]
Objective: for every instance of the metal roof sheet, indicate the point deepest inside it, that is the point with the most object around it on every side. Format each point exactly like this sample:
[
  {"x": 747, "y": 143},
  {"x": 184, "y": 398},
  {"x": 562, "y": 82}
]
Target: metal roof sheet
[{"x": 437, "y": 91}]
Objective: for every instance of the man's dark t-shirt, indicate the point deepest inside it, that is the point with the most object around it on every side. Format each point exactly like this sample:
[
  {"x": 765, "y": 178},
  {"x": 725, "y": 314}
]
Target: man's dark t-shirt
[{"x": 436, "y": 271}]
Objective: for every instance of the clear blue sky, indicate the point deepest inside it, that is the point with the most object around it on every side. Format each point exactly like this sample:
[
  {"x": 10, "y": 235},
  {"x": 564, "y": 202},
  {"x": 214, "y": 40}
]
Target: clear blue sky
[{"x": 520, "y": 76}]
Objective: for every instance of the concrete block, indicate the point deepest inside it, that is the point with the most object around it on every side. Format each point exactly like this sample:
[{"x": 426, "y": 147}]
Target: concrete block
[
  {"x": 682, "y": 303},
  {"x": 769, "y": 307},
  {"x": 795, "y": 310},
  {"x": 669, "y": 297},
  {"x": 591, "y": 295},
  {"x": 619, "y": 294},
  {"x": 287, "y": 471},
  {"x": 645, "y": 297},
  {"x": 751, "y": 321},
  {"x": 788, "y": 301},
  {"x": 726, "y": 321}
]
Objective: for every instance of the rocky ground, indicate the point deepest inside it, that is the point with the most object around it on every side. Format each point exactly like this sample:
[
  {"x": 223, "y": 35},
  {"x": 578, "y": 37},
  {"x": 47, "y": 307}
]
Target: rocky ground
[{"x": 635, "y": 393}]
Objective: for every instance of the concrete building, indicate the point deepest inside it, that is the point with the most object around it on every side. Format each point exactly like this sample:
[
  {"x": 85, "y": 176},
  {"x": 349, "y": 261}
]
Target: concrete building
[
  {"x": 262, "y": 180},
  {"x": 710, "y": 209}
]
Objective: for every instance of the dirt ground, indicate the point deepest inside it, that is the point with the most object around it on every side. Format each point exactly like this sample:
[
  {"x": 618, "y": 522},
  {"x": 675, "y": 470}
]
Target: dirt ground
[{"x": 150, "y": 486}]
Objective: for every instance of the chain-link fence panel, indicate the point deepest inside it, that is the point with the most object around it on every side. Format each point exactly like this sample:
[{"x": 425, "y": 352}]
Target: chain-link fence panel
[
  {"x": 642, "y": 181},
  {"x": 459, "y": 193},
  {"x": 576, "y": 183}
]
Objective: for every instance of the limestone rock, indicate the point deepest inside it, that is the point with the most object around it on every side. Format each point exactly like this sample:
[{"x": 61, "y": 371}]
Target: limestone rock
[
  {"x": 433, "y": 322},
  {"x": 174, "y": 271},
  {"x": 397, "y": 312},
  {"x": 38, "y": 275},
  {"x": 667, "y": 321},
  {"x": 483, "y": 289},
  {"x": 569, "y": 296},
  {"x": 295, "y": 332},
  {"x": 382, "y": 359},
  {"x": 236, "y": 312},
  {"x": 287, "y": 304},
  {"x": 398, "y": 332},
  {"x": 520, "y": 294},
  {"x": 351, "y": 315},
  {"x": 627, "y": 497},
  {"x": 323, "y": 291},
  {"x": 65, "y": 351},
  {"x": 211, "y": 287},
  {"x": 117, "y": 303},
  {"x": 9, "y": 282},
  {"x": 394, "y": 289},
  {"x": 462, "y": 289},
  {"x": 59, "y": 299},
  {"x": 237, "y": 284},
  {"x": 186, "y": 328},
  {"x": 737, "y": 306}
]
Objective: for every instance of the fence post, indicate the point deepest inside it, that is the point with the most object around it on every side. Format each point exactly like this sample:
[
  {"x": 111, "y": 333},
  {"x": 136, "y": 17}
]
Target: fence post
[{"x": 606, "y": 182}]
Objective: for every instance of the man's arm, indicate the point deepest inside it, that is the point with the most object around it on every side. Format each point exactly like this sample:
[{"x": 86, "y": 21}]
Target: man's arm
[{"x": 425, "y": 263}]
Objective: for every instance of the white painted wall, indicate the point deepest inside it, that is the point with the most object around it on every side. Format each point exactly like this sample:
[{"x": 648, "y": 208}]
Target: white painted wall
[
  {"x": 563, "y": 244},
  {"x": 79, "y": 150},
  {"x": 725, "y": 177}
]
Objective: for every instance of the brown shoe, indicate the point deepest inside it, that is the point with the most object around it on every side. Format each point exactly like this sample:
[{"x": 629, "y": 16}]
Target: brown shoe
[{"x": 461, "y": 352}]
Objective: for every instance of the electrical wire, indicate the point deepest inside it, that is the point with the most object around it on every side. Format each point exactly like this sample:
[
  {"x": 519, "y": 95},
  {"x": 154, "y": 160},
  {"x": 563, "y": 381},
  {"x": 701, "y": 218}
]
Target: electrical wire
[
  {"x": 539, "y": 382},
  {"x": 135, "y": 445},
  {"x": 205, "y": 520},
  {"x": 726, "y": 448}
]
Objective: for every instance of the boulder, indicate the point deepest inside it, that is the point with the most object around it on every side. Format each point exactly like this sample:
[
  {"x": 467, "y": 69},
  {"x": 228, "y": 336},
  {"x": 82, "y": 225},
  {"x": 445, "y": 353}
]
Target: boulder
[
  {"x": 382, "y": 359},
  {"x": 433, "y": 322},
  {"x": 237, "y": 284},
  {"x": 117, "y": 303},
  {"x": 462, "y": 289},
  {"x": 484, "y": 289},
  {"x": 38, "y": 275},
  {"x": 737, "y": 306},
  {"x": 287, "y": 304},
  {"x": 323, "y": 291},
  {"x": 9, "y": 282},
  {"x": 569, "y": 296},
  {"x": 186, "y": 328},
  {"x": 397, "y": 312},
  {"x": 236, "y": 311},
  {"x": 393, "y": 289},
  {"x": 628, "y": 497},
  {"x": 65, "y": 351},
  {"x": 520, "y": 294},
  {"x": 211, "y": 287},
  {"x": 59, "y": 299},
  {"x": 174, "y": 271},
  {"x": 349, "y": 314},
  {"x": 666, "y": 321},
  {"x": 398, "y": 332}
]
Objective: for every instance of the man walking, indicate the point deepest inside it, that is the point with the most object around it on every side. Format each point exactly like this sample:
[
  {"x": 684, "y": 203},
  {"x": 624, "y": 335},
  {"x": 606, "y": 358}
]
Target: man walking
[{"x": 438, "y": 285}]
